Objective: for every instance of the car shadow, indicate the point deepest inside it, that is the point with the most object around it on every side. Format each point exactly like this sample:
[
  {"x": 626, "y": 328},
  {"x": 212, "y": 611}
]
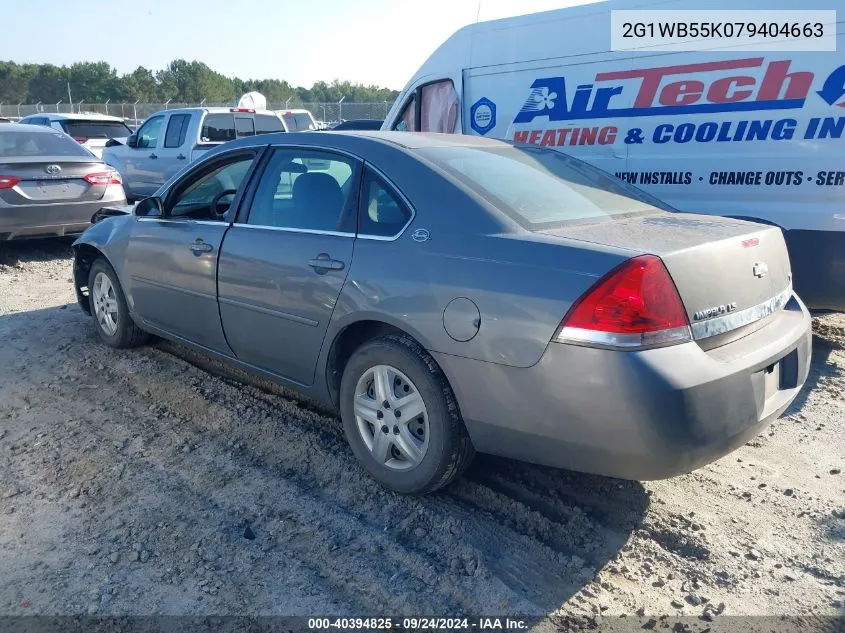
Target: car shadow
[{"x": 16, "y": 252}]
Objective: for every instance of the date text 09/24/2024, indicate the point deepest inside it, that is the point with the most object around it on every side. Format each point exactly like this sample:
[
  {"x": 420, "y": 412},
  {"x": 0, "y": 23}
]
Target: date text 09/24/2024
[{"x": 419, "y": 623}]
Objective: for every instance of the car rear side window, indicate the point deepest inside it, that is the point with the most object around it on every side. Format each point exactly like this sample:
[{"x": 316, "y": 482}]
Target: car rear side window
[
  {"x": 541, "y": 188},
  {"x": 297, "y": 121},
  {"x": 177, "y": 129},
  {"x": 382, "y": 213},
  {"x": 218, "y": 128},
  {"x": 267, "y": 123},
  {"x": 307, "y": 189},
  {"x": 244, "y": 127},
  {"x": 96, "y": 129},
  {"x": 19, "y": 143}
]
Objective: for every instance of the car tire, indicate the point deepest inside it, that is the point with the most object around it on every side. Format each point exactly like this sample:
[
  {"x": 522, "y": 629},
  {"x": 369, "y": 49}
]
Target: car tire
[
  {"x": 447, "y": 448},
  {"x": 117, "y": 329}
]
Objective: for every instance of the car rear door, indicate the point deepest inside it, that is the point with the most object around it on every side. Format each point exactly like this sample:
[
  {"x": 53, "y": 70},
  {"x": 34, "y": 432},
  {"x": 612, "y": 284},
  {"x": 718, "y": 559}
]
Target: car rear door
[
  {"x": 172, "y": 259},
  {"x": 285, "y": 260},
  {"x": 172, "y": 154}
]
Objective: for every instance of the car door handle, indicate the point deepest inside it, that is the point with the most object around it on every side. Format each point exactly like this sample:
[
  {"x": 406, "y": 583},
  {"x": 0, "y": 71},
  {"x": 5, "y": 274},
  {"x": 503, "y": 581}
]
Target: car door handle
[
  {"x": 324, "y": 262},
  {"x": 180, "y": 157},
  {"x": 201, "y": 247},
  {"x": 153, "y": 155}
]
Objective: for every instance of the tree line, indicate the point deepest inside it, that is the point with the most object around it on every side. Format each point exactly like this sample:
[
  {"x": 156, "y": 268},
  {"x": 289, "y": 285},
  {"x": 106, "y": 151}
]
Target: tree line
[{"x": 181, "y": 82}]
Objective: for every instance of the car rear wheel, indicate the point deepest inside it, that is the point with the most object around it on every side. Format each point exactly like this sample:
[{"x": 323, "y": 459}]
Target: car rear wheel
[
  {"x": 108, "y": 307},
  {"x": 401, "y": 418}
]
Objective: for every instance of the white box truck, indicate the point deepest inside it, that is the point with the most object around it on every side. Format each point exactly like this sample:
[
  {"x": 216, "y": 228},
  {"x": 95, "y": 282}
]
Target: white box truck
[{"x": 746, "y": 133}]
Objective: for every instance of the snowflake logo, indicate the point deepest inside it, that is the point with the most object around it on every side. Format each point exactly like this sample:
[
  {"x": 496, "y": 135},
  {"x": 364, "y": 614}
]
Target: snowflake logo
[{"x": 540, "y": 99}]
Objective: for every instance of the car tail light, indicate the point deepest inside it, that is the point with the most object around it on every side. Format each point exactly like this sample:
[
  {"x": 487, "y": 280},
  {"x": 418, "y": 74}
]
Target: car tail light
[
  {"x": 104, "y": 178},
  {"x": 635, "y": 305},
  {"x": 7, "y": 182},
  {"x": 241, "y": 110},
  {"x": 80, "y": 139}
]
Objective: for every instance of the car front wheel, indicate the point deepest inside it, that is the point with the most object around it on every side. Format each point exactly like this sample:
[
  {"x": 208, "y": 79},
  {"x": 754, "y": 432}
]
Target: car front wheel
[
  {"x": 401, "y": 418},
  {"x": 109, "y": 309}
]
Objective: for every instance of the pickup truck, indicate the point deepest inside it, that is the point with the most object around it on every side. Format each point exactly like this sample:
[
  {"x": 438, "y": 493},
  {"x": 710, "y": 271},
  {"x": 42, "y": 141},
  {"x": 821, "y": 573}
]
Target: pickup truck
[{"x": 170, "y": 139}]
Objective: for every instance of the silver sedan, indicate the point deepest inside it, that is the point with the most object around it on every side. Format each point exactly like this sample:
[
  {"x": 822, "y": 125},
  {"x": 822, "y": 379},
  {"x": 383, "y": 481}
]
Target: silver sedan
[
  {"x": 49, "y": 184},
  {"x": 450, "y": 294}
]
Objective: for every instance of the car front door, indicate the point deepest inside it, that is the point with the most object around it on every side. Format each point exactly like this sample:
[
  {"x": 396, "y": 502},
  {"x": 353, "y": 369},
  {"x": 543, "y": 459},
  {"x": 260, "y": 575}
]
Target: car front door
[
  {"x": 172, "y": 258},
  {"x": 143, "y": 175},
  {"x": 284, "y": 261}
]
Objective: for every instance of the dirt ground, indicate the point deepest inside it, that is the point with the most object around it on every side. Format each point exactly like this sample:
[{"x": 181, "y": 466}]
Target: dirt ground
[{"x": 145, "y": 481}]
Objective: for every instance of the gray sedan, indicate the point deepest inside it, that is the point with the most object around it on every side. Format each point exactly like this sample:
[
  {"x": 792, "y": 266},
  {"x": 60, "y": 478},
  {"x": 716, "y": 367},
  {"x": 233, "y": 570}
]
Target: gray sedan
[
  {"x": 49, "y": 184},
  {"x": 451, "y": 294}
]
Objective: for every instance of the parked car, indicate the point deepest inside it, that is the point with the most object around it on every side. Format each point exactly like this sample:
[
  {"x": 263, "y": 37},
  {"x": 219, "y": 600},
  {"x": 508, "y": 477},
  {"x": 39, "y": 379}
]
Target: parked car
[
  {"x": 49, "y": 184},
  {"x": 298, "y": 120},
  {"x": 91, "y": 130},
  {"x": 359, "y": 124},
  {"x": 170, "y": 139},
  {"x": 449, "y": 294},
  {"x": 4, "y": 120},
  {"x": 754, "y": 136}
]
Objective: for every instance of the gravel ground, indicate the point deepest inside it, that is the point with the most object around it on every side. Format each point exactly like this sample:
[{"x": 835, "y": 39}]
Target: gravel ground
[{"x": 154, "y": 481}]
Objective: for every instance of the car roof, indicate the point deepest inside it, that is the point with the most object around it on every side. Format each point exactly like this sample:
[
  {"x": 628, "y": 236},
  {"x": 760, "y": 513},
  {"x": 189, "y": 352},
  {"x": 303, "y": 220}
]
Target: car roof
[
  {"x": 34, "y": 129},
  {"x": 419, "y": 140},
  {"x": 405, "y": 141},
  {"x": 77, "y": 116}
]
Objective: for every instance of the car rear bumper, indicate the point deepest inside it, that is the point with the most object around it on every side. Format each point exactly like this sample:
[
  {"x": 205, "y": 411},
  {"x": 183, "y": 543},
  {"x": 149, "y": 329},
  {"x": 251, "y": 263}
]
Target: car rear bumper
[
  {"x": 635, "y": 415},
  {"x": 50, "y": 220}
]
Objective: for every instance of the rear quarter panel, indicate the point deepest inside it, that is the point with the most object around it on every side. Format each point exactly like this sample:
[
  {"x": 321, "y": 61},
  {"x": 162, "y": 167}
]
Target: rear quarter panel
[{"x": 522, "y": 283}]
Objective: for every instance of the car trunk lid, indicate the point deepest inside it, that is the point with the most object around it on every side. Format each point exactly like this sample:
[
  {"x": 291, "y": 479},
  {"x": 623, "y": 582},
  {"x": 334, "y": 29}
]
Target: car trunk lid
[
  {"x": 729, "y": 273},
  {"x": 46, "y": 180}
]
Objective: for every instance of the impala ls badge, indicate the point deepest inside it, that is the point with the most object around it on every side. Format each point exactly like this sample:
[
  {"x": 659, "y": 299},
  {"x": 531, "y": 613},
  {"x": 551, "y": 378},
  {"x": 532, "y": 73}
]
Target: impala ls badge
[
  {"x": 760, "y": 269},
  {"x": 709, "y": 313},
  {"x": 52, "y": 169}
]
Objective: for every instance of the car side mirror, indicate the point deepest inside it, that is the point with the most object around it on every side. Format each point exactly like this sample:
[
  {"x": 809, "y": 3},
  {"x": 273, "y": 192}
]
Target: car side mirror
[
  {"x": 149, "y": 207},
  {"x": 132, "y": 141}
]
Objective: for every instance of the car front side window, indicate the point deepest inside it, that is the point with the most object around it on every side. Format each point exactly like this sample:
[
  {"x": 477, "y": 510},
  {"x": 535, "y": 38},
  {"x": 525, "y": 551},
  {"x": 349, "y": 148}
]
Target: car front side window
[
  {"x": 148, "y": 134},
  {"x": 209, "y": 195}
]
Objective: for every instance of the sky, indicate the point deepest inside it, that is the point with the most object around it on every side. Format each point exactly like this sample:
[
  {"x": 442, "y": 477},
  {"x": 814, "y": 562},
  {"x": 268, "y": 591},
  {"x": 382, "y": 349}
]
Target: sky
[{"x": 380, "y": 42}]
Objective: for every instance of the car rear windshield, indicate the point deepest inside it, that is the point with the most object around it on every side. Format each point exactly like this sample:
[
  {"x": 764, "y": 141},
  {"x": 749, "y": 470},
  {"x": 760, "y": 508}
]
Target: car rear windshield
[
  {"x": 541, "y": 188},
  {"x": 96, "y": 129},
  {"x": 221, "y": 127},
  {"x": 299, "y": 121},
  {"x": 18, "y": 143}
]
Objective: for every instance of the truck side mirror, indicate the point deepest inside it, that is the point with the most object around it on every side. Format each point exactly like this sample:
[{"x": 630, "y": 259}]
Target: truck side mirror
[{"x": 132, "y": 141}]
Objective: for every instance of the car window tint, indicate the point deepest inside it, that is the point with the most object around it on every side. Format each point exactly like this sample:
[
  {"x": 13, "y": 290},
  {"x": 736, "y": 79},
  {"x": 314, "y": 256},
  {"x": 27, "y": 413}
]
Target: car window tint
[
  {"x": 177, "y": 129},
  {"x": 21, "y": 142},
  {"x": 541, "y": 188},
  {"x": 148, "y": 134},
  {"x": 407, "y": 121},
  {"x": 298, "y": 121},
  {"x": 303, "y": 189},
  {"x": 382, "y": 211},
  {"x": 266, "y": 123},
  {"x": 194, "y": 199},
  {"x": 439, "y": 107},
  {"x": 244, "y": 127},
  {"x": 96, "y": 129},
  {"x": 218, "y": 128}
]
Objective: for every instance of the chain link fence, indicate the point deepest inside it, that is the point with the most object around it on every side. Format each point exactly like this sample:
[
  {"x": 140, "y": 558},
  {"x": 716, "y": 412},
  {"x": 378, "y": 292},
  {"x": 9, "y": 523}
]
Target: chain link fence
[{"x": 135, "y": 113}]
